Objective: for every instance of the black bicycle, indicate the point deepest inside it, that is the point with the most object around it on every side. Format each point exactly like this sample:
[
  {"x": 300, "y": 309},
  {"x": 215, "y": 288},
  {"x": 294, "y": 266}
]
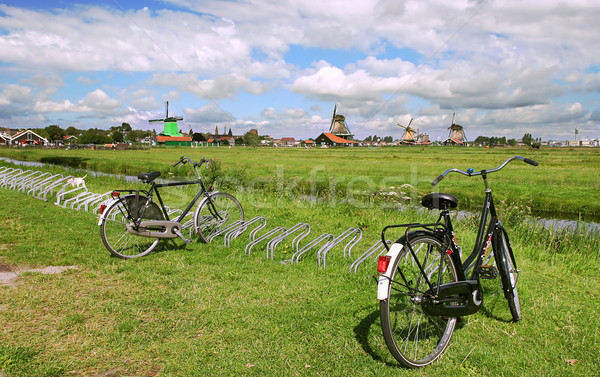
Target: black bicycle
[
  {"x": 133, "y": 224},
  {"x": 423, "y": 286}
]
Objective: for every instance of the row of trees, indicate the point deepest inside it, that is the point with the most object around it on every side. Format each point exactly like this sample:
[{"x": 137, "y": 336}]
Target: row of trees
[
  {"x": 497, "y": 141},
  {"x": 375, "y": 138},
  {"x": 116, "y": 134}
]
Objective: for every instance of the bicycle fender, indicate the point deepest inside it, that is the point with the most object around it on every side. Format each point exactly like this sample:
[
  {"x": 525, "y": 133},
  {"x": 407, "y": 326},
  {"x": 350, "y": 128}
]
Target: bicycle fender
[
  {"x": 109, "y": 206},
  {"x": 106, "y": 210},
  {"x": 383, "y": 285}
]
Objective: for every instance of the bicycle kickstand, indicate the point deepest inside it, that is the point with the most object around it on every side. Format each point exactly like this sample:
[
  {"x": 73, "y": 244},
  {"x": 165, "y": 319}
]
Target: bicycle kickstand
[{"x": 186, "y": 240}]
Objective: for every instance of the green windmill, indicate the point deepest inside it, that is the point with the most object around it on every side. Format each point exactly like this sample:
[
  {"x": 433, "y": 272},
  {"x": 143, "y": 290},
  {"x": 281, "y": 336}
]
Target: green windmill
[{"x": 171, "y": 128}]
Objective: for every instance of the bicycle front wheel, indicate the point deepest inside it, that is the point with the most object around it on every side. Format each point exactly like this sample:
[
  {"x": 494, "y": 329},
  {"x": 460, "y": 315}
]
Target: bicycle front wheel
[
  {"x": 216, "y": 212},
  {"x": 113, "y": 229},
  {"x": 508, "y": 273},
  {"x": 413, "y": 337}
]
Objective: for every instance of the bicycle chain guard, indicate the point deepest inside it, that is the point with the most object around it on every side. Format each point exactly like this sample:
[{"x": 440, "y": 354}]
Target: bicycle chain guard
[{"x": 454, "y": 299}]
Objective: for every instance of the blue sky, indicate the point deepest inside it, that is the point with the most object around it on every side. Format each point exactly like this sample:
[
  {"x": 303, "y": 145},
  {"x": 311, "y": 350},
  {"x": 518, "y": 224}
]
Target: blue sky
[{"x": 505, "y": 68}]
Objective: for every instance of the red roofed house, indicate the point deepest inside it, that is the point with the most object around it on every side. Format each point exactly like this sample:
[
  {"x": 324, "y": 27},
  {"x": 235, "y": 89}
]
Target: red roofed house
[
  {"x": 327, "y": 138},
  {"x": 339, "y": 132},
  {"x": 185, "y": 141}
]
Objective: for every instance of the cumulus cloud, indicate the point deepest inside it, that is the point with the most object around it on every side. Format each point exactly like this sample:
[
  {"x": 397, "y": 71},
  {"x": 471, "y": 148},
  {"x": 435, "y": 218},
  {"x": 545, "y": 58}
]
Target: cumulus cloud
[{"x": 491, "y": 62}]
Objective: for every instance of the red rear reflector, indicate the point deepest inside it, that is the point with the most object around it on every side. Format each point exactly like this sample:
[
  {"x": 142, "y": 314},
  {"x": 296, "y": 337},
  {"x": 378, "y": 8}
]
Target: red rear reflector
[
  {"x": 449, "y": 252},
  {"x": 102, "y": 208},
  {"x": 116, "y": 194},
  {"x": 383, "y": 263}
]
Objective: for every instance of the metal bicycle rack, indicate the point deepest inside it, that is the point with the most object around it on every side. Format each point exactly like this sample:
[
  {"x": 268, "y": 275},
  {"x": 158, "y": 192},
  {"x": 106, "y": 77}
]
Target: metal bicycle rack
[{"x": 42, "y": 185}]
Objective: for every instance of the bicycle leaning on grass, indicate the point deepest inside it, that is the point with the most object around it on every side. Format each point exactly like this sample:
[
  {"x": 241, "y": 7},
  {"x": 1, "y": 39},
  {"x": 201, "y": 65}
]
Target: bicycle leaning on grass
[
  {"x": 423, "y": 286},
  {"x": 133, "y": 224}
]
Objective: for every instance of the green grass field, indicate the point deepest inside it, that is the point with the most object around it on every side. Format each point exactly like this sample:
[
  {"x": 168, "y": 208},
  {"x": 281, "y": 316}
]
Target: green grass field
[
  {"x": 200, "y": 310},
  {"x": 561, "y": 186}
]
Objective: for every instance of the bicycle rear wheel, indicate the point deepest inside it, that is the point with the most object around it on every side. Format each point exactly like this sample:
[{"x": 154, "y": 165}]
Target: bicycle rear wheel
[
  {"x": 507, "y": 270},
  {"x": 216, "y": 212},
  {"x": 413, "y": 337},
  {"x": 113, "y": 229}
]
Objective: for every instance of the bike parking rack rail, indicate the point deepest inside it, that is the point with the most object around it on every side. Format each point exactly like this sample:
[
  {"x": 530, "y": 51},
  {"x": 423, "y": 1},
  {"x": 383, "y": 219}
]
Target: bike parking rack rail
[
  {"x": 322, "y": 254},
  {"x": 234, "y": 233},
  {"x": 34, "y": 182},
  {"x": 64, "y": 192},
  {"x": 378, "y": 247},
  {"x": 296, "y": 256},
  {"x": 272, "y": 233},
  {"x": 304, "y": 229}
]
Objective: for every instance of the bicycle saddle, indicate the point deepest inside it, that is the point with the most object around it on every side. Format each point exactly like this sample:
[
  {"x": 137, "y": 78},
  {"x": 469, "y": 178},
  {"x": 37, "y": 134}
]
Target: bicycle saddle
[
  {"x": 439, "y": 200},
  {"x": 149, "y": 177}
]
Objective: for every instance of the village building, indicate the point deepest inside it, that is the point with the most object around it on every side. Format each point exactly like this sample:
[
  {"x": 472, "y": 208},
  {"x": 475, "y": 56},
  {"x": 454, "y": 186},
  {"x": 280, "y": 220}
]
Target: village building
[
  {"x": 171, "y": 136},
  {"x": 27, "y": 138},
  {"x": 456, "y": 135},
  {"x": 4, "y": 138},
  {"x": 339, "y": 133},
  {"x": 329, "y": 139}
]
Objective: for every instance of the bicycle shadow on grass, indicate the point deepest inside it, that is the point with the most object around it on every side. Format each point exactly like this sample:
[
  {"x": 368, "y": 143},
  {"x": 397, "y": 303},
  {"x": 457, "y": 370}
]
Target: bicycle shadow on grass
[
  {"x": 370, "y": 336},
  {"x": 365, "y": 333}
]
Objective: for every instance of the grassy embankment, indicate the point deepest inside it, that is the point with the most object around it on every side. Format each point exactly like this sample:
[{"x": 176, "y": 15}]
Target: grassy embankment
[
  {"x": 206, "y": 309},
  {"x": 561, "y": 186}
]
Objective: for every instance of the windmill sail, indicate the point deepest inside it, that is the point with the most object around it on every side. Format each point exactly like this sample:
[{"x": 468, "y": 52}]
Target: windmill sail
[{"x": 338, "y": 125}]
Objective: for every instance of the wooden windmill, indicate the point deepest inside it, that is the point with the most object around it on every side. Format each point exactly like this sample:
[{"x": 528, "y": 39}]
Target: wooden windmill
[
  {"x": 338, "y": 126},
  {"x": 457, "y": 132},
  {"x": 171, "y": 127},
  {"x": 409, "y": 133}
]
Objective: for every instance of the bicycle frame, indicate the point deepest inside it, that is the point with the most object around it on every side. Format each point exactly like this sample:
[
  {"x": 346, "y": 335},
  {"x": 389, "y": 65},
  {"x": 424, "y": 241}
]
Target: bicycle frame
[
  {"x": 485, "y": 237},
  {"x": 156, "y": 186}
]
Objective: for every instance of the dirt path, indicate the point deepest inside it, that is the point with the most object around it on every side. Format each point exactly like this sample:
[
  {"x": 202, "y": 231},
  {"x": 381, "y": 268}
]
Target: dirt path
[{"x": 10, "y": 275}]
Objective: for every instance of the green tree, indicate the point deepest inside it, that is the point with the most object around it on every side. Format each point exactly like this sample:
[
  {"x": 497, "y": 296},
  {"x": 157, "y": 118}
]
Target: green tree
[
  {"x": 125, "y": 127},
  {"x": 117, "y": 136},
  {"x": 527, "y": 139},
  {"x": 55, "y": 132},
  {"x": 230, "y": 133},
  {"x": 94, "y": 136},
  {"x": 199, "y": 136},
  {"x": 72, "y": 131},
  {"x": 512, "y": 142},
  {"x": 251, "y": 139}
]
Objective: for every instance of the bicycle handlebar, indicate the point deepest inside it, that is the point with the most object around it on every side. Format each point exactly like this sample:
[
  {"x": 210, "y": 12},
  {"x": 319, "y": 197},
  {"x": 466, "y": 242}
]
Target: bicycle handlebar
[
  {"x": 471, "y": 173},
  {"x": 184, "y": 160}
]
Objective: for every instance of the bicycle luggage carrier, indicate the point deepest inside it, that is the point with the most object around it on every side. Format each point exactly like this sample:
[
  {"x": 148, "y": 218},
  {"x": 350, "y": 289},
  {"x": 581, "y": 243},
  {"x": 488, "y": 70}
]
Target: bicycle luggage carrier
[{"x": 432, "y": 227}]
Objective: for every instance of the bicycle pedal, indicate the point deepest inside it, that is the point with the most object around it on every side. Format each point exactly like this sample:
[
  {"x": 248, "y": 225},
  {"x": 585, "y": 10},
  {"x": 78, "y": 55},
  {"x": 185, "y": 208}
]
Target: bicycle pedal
[
  {"x": 185, "y": 240},
  {"x": 487, "y": 272}
]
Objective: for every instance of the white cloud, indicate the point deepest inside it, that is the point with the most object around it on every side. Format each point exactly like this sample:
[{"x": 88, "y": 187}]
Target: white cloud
[{"x": 489, "y": 61}]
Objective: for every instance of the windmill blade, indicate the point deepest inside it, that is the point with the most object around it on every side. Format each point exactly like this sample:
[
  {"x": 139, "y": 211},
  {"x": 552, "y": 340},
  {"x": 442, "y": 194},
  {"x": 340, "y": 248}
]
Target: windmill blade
[
  {"x": 333, "y": 117},
  {"x": 409, "y": 123},
  {"x": 405, "y": 127},
  {"x": 453, "y": 115}
]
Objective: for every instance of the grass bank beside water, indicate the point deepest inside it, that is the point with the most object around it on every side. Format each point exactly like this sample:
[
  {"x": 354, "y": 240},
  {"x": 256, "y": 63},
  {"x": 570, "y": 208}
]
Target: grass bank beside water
[{"x": 561, "y": 186}]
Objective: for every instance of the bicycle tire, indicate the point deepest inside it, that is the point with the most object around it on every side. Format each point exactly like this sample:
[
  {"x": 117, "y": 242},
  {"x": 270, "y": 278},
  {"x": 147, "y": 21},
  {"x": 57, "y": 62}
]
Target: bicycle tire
[
  {"x": 113, "y": 229},
  {"x": 508, "y": 273},
  {"x": 207, "y": 224},
  {"x": 414, "y": 338}
]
